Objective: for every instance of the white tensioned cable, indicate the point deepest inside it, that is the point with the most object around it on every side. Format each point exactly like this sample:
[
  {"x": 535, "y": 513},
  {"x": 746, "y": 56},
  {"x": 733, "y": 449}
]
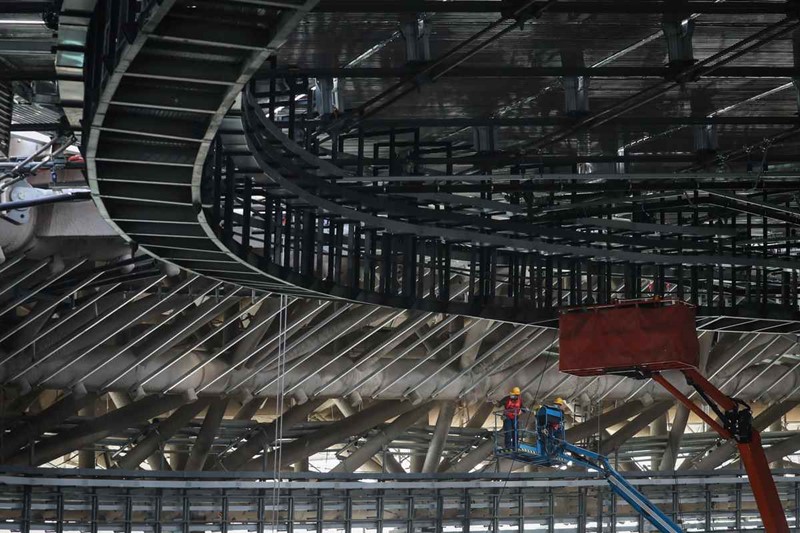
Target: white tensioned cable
[{"x": 283, "y": 328}]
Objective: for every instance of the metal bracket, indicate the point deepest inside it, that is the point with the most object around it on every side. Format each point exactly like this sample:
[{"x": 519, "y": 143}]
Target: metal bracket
[
  {"x": 327, "y": 98},
  {"x": 738, "y": 421},
  {"x": 678, "y": 34},
  {"x": 416, "y": 33},
  {"x": 484, "y": 139},
  {"x": 20, "y": 191}
]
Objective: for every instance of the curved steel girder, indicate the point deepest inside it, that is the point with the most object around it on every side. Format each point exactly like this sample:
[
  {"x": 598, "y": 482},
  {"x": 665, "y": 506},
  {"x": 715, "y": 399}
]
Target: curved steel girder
[
  {"x": 370, "y": 203},
  {"x": 145, "y": 180},
  {"x": 204, "y": 251}
]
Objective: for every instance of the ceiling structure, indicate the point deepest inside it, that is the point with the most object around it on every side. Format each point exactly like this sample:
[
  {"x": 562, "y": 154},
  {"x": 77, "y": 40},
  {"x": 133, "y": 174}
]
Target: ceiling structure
[
  {"x": 629, "y": 160},
  {"x": 378, "y": 208}
]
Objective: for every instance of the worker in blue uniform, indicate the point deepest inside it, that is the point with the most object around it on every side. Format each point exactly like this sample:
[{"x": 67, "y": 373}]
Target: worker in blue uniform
[
  {"x": 512, "y": 408},
  {"x": 550, "y": 425}
]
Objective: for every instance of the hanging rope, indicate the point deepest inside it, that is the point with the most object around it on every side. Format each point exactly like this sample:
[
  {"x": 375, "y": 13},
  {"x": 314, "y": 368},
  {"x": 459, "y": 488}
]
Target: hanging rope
[
  {"x": 280, "y": 401},
  {"x": 525, "y": 425}
]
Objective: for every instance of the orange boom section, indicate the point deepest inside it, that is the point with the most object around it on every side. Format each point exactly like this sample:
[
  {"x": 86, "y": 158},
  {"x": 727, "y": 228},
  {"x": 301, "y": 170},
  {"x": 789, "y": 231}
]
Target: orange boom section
[{"x": 635, "y": 336}]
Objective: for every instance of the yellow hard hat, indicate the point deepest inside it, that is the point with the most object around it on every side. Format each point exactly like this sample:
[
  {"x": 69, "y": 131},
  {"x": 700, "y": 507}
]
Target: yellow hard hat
[
  {"x": 515, "y": 391},
  {"x": 560, "y": 401}
]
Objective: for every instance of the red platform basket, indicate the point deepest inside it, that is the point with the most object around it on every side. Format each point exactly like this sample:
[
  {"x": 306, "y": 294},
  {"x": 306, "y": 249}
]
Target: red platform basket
[{"x": 631, "y": 337}]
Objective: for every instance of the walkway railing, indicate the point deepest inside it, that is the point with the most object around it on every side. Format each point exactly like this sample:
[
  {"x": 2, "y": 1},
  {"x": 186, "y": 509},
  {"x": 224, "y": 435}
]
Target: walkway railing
[{"x": 159, "y": 502}]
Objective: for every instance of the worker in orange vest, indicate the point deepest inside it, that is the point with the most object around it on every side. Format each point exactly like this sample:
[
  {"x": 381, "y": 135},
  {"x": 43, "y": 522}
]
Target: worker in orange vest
[{"x": 512, "y": 407}]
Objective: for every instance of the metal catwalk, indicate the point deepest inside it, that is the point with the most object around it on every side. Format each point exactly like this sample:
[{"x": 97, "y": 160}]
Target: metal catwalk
[{"x": 161, "y": 502}]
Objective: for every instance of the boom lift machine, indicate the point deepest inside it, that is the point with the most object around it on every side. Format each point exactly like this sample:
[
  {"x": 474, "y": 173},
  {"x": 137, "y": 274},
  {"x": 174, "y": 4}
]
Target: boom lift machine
[
  {"x": 642, "y": 339},
  {"x": 546, "y": 445}
]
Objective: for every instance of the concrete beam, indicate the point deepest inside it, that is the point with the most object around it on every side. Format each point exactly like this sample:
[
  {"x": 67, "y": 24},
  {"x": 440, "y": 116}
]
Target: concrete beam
[
  {"x": 390, "y": 382},
  {"x": 344, "y": 407},
  {"x": 208, "y": 431},
  {"x": 374, "y": 463},
  {"x": 22, "y": 403},
  {"x": 392, "y": 464},
  {"x": 417, "y": 461},
  {"x": 301, "y": 313},
  {"x": 157, "y": 459},
  {"x": 729, "y": 348}
]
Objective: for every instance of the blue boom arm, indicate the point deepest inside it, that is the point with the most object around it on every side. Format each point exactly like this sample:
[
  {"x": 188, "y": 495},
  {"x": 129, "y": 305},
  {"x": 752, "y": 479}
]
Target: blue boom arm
[
  {"x": 546, "y": 446},
  {"x": 619, "y": 485}
]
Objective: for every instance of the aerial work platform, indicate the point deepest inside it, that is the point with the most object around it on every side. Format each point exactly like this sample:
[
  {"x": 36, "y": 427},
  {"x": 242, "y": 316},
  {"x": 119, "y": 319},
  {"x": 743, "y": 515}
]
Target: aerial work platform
[
  {"x": 642, "y": 339},
  {"x": 546, "y": 445}
]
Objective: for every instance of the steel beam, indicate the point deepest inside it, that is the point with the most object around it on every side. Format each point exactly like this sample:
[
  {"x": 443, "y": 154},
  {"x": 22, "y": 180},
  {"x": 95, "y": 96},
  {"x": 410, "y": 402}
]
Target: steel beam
[
  {"x": 494, "y": 6},
  {"x": 98, "y": 428},
  {"x": 409, "y": 328},
  {"x": 603, "y": 421},
  {"x": 727, "y": 449},
  {"x": 382, "y": 438},
  {"x": 185, "y": 325},
  {"x": 506, "y": 71},
  {"x": 787, "y": 446},
  {"x": 249, "y": 409},
  {"x": 354, "y": 319},
  {"x": 701, "y": 68},
  {"x": 265, "y": 435},
  {"x": 265, "y": 314},
  {"x": 26, "y": 47},
  {"x": 34, "y": 426},
  {"x": 317, "y": 441},
  {"x": 31, "y": 7},
  {"x": 658, "y": 428},
  {"x": 775, "y": 452},
  {"x": 439, "y": 438},
  {"x": 160, "y": 434},
  {"x": 347, "y": 350},
  {"x": 478, "y": 418},
  {"x": 208, "y": 432},
  {"x": 272, "y": 360},
  {"x": 389, "y": 462},
  {"x": 674, "y": 439},
  {"x": 88, "y": 458},
  {"x": 641, "y": 421},
  {"x": 473, "y": 458}
]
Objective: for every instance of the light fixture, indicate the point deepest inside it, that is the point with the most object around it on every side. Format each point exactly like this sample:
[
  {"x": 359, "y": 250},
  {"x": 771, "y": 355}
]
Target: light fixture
[{"x": 26, "y": 22}]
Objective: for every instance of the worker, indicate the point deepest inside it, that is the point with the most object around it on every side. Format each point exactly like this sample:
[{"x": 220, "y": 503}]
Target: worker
[
  {"x": 512, "y": 407},
  {"x": 556, "y": 425},
  {"x": 549, "y": 425}
]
